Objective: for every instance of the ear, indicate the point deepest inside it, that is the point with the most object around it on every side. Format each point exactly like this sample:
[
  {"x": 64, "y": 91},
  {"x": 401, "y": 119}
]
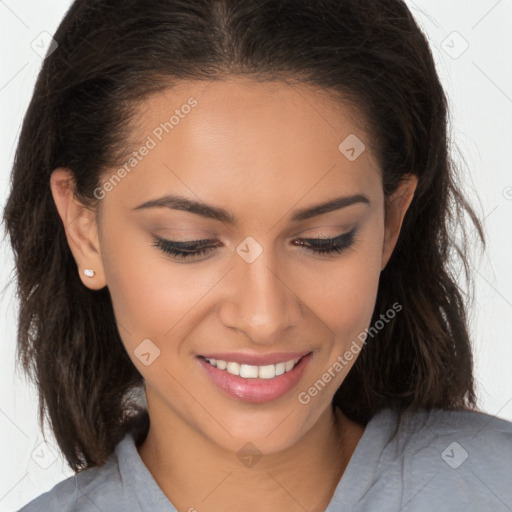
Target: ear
[
  {"x": 396, "y": 206},
  {"x": 80, "y": 226}
]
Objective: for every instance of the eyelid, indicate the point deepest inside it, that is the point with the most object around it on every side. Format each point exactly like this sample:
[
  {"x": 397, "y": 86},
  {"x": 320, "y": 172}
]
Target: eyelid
[
  {"x": 185, "y": 244},
  {"x": 328, "y": 231},
  {"x": 322, "y": 236},
  {"x": 210, "y": 241},
  {"x": 186, "y": 251},
  {"x": 194, "y": 245}
]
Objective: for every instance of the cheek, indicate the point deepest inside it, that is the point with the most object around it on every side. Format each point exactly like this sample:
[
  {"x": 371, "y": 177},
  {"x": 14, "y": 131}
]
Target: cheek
[
  {"x": 345, "y": 293},
  {"x": 150, "y": 294}
]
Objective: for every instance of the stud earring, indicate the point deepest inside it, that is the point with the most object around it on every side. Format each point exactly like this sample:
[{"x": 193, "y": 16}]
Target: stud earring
[{"x": 89, "y": 272}]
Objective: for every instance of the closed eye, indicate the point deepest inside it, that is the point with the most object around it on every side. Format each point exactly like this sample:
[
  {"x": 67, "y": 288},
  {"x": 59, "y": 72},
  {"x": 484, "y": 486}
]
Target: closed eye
[{"x": 192, "y": 249}]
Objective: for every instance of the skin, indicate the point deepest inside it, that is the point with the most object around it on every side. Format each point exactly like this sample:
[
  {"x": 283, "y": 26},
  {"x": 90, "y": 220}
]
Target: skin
[{"x": 260, "y": 151}]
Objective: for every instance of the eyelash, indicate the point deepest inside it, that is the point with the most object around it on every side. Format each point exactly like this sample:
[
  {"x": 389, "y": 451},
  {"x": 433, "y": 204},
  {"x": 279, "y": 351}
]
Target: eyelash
[{"x": 196, "y": 248}]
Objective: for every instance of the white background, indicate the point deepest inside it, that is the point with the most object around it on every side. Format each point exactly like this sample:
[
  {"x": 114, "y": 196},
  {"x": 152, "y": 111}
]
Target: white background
[{"x": 479, "y": 85}]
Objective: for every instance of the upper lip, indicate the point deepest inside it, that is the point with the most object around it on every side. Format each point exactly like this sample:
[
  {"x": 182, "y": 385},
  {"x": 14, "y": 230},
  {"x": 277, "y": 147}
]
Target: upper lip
[{"x": 256, "y": 359}]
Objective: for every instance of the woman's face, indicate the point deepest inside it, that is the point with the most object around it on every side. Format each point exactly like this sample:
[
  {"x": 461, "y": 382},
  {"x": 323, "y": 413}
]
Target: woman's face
[{"x": 249, "y": 162}]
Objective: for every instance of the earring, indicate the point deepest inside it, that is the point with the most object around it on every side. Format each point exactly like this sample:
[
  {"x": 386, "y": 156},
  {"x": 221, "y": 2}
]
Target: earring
[{"x": 89, "y": 272}]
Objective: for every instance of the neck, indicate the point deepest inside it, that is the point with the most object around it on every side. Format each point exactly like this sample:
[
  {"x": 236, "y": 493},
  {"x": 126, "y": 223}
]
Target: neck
[{"x": 195, "y": 473}]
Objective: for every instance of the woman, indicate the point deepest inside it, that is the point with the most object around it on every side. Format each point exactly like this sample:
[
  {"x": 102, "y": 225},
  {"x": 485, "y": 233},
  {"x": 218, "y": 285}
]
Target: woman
[{"x": 246, "y": 211}]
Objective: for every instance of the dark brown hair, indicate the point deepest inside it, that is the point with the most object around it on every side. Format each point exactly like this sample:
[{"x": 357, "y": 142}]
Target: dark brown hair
[{"x": 111, "y": 55}]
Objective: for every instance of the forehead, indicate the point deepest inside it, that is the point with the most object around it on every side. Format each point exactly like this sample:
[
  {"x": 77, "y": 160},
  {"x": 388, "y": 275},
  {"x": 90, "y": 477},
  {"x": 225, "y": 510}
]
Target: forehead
[
  {"x": 272, "y": 138},
  {"x": 237, "y": 107}
]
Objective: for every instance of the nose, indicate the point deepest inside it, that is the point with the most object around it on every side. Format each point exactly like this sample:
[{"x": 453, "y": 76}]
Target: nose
[{"x": 262, "y": 303}]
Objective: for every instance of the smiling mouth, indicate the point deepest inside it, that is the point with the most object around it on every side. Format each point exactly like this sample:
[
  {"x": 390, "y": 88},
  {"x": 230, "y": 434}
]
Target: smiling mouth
[
  {"x": 255, "y": 383},
  {"x": 247, "y": 371}
]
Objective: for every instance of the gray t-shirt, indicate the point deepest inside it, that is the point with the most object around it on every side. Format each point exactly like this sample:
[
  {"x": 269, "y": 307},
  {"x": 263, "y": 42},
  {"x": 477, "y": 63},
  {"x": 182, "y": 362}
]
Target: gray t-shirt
[{"x": 437, "y": 461}]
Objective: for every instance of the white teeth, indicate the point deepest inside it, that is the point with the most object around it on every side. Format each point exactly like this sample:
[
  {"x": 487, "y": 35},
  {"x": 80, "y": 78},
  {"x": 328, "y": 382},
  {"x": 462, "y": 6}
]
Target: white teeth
[
  {"x": 289, "y": 366},
  {"x": 248, "y": 371},
  {"x": 284, "y": 367},
  {"x": 267, "y": 372},
  {"x": 233, "y": 368}
]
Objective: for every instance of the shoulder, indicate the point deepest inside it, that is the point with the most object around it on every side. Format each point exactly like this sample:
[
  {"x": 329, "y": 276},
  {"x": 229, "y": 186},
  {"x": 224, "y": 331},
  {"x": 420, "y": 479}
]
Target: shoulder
[
  {"x": 485, "y": 436},
  {"x": 452, "y": 460},
  {"x": 98, "y": 488}
]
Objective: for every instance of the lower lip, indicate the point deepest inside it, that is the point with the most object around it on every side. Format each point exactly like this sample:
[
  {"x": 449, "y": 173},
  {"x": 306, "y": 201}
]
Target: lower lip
[{"x": 255, "y": 390}]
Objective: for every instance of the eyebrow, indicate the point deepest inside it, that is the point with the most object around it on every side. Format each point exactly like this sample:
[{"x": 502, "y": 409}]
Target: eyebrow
[{"x": 177, "y": 202}]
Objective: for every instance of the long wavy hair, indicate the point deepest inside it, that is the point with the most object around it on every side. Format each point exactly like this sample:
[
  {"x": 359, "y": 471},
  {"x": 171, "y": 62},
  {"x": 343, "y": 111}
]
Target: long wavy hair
[{"x": 111, "y": 56}]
